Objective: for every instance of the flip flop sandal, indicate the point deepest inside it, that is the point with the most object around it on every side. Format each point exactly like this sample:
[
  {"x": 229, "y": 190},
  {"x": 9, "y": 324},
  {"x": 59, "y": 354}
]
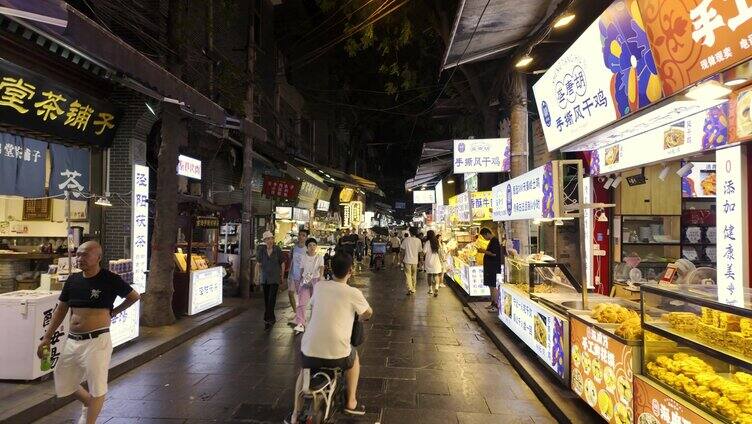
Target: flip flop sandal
[{"x": 358, "y": 410}]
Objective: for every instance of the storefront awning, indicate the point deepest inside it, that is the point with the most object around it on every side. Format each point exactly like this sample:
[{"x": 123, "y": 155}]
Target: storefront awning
[
  {"x": 339, "y": 178},
  {"x": 503, "y": 26},
  {"x": 435, "y": 162},
  {"x": 63, "y": 24}
]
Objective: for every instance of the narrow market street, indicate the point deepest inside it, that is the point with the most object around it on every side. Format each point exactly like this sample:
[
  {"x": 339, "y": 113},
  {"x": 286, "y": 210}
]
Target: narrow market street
[{"x": 423, "y": 361}]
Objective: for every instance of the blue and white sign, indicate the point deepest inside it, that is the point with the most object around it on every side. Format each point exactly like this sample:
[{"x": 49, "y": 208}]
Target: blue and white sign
[
  {"x": 205, "y": 289},
  {"x": 481, "y": 155},
  {"x": 731, "y": 176},
  {"x": 140, "y": 226},
  {"x": 70, "y": 171},
  {"x": 23, "y": 164},
  {"x": 464, "y": 208},
  {"x": 529, "y": 196},
  {"x": 124, "y": 326}
]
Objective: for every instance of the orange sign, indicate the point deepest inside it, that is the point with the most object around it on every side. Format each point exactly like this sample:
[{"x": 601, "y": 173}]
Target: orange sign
[
  {"x": 693, "y": 39},
  {"x": 652, "y": 405},
  {"x": 602, "y": 372}
]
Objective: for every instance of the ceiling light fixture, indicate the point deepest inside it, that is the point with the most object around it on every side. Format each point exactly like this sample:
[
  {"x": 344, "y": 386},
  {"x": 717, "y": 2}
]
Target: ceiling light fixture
[
  {"x": 685, "y": 170},
  {"x": 734, "y": 82},
  {"x": 609, "y": 181},
  {"x": 450, "y": 181},
  {"x": 708, "y": 90},
  {"x": 664, "y": 173},
  {"x": 151, "y": 109},
  {"x": 616, "y": 182},
  {"x": 564, "y": 20},
  {"x": 104, "y": 201},
  {"x": 524, "y": 61}
]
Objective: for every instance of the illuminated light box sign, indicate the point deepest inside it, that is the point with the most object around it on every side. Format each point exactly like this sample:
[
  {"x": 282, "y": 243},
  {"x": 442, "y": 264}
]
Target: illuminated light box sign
[
  {"x": 463, "y": 207},
  {"x": 189, "y": 167},
  {"x": 705, "y": 37},
  {"x": 124, "y": 326},
  {"x": 702, "y": 131},
  {"x": 481, "y": 155},
  {"x": 140, "y": 226},
  {"x": 481, "y": 207},
  {"x": 322, "y": 205},
  {"x": 701, "y": 181},
  {"x": 604, "y": 76},
  {"x": 283, "y": 212},
  {"x": 205, "y": 289},
  {"x": 529, "y": 196},
  {"x": 653, "y": 404},
  {"x": 424, "y": 197},
  {"x": 301, "y": 215},
  {"x": 542, "y": 330}
]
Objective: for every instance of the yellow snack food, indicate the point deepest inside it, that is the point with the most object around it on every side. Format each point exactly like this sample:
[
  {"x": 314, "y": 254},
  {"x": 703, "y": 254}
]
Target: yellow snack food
[
  {"x": 745, "y": 324},
  {"x": 728, "y": 322},
  {"x": 630, "y": 329},
  {"x": 682, "y": 321},
  {"x": 611, "y": 313}
]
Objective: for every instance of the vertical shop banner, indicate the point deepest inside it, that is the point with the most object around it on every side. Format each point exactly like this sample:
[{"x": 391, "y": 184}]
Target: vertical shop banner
[
  {"x": 464, "y": 207},
  {"x": 9, "y": 163},
  {"x": 706, "y": 130},
  {"x": 70, "y": 171},
  {"x": 608, "y": 73},
  {"x": 481, "y": 205},
  {"x": 694, "y": 39},
  {"x": 480, "y": 155},
  {"x": 32, "y": 168},
  {"x": 732, "y": 220},
  {"x": 529, "y": 196},
  {"x": 140, "y": 226}
]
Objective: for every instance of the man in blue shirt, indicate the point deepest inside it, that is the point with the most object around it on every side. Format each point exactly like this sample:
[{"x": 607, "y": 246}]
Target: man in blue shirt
[{"x": 294, "y": 276}]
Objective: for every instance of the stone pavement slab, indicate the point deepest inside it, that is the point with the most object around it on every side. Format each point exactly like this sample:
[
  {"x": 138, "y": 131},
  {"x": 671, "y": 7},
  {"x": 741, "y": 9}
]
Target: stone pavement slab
[{"x": 423, "y": 360}]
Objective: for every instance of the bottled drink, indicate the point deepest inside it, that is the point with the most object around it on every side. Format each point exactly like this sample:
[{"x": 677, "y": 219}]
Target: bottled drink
[{"x": 46, "y": 362}]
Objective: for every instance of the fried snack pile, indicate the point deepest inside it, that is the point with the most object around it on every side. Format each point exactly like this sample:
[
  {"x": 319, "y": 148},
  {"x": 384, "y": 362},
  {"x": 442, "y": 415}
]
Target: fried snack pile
[
  {"x": 716, "y": 328},
  {"x": 730, "y": 397},
  {"x": 630, "y": 329},
  {"x": 611, "y": 313}
]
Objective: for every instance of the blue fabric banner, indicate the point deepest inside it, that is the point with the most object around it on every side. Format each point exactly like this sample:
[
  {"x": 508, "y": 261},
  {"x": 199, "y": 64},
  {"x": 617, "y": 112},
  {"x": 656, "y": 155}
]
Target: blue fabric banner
[
  {"x": 32, "y": 167},
  {"x": 70, "y": 171},
  {"x": 9, "y": 144}
]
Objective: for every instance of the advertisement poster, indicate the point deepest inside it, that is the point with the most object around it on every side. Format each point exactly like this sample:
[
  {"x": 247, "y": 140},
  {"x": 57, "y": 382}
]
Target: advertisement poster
[
  {"x": 607, "y": 73},
  {"x": 481, "y": 205},
  {"x": 463, "y": 207},
  {"x": 529, "y": 196},
  {"x": 653, "y": 406},
  {"x": 701, "y": 182},
  {"x": 544, "y": 331},
  {"x": 706, "y": 130},
  {"x": 206, "y": 289},
  {"x": 480, "y": 155},
  {"x": 602, "y": 372},
  {"x": 694, "y": 39},
  {"x": 731, "y": 221}
]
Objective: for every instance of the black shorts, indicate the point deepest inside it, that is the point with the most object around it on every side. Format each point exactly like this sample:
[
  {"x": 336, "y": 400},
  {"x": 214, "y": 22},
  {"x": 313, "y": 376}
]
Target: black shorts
[
  {"x": 489, "y": 280},
  {"x": 315, "y": 363},
  {"x": 395, "y": 250}
]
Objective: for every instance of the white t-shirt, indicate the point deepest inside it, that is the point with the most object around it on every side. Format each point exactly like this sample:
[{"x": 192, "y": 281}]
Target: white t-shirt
[
  {"x": 395, "y": 242},
  {"x": 412, "y": 247},
  {"x": 433, "y": 262},
  {"x": 311, "y": 265},
  {"x": 334, "y": 306}
]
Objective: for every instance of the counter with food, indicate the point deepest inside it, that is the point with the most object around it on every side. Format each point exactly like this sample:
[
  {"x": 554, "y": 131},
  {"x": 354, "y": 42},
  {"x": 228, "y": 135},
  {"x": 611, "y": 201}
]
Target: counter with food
[
  {"x": 698, "y": 351},
  {"x": 462, "y": 265}
]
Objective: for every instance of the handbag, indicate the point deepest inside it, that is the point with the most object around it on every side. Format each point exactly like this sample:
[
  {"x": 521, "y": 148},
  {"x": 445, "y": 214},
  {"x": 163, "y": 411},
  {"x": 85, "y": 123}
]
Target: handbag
[{"x": 358, "y": 332}]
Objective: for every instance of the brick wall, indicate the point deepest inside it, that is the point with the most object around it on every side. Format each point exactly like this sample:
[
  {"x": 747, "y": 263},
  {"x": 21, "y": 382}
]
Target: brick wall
[{"x": 129, "y": 147}]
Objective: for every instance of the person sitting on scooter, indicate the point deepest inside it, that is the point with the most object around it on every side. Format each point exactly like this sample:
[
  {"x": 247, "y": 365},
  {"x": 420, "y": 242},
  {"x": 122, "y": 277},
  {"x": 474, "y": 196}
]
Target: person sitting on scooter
[{"x": 326, "y": 342}]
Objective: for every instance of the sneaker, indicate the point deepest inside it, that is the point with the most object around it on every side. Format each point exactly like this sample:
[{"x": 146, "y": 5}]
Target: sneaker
[
  {"x": 493, "y": 310},
  {"x": 430, "y": 292},
  {"x": 409, "y": 292},
  {"x": 491, "y": 306},
  {"x": 358, "y": 410},
  {"x": 84, "y": 415},
  {"x": 299, "y": 328},
  {"x": 436, "y": 293}
]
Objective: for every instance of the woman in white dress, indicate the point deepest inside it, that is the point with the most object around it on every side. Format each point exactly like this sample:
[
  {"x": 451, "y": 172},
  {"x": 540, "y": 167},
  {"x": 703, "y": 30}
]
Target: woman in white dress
[{"x": 432, "y": 263}]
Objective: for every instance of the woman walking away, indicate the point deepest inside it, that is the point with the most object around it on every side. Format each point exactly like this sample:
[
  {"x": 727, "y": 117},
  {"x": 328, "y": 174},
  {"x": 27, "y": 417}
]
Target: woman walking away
[
  {"x": 432, "y": 263},
  {"x": 270, "y": 273},
  {"x": 311, "y": 271}
]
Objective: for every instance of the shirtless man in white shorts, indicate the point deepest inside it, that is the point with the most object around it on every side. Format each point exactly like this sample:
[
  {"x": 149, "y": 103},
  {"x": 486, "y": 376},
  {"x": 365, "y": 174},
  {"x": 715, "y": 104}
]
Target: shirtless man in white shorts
[{"x": 90, "y": 295}]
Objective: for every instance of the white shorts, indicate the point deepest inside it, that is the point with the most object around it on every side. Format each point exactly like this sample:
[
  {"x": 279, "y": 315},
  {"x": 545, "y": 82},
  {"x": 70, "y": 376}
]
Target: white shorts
[{"x": 84, "y": 360}]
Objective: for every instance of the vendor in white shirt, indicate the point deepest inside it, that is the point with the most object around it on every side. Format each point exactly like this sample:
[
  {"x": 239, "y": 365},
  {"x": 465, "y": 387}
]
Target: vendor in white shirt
[{"x": 311, "y": 271}]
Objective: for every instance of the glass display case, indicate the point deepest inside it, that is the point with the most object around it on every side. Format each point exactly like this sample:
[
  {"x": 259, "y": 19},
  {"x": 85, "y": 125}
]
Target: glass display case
[
  {"x": 540, "y": 274},
  {"x": 699, "y": 348}
]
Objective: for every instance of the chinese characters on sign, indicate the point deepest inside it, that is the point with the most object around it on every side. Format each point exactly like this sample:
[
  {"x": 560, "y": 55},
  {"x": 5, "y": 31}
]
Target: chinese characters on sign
[
  {"x": 707, "y": 36},
  {"x": 124, "y": 326},
  {"x": 140, "y": 226},
  {"x": 463, "y": 207},
  {"x": 481, "y": 155},
  {"x": 653, "y": 405},
  {"x": 31, "y": 101},
  {"x": 23, "y": 164},
  {"x": 280, "y": 187},
  {"x": 731, "y": 173},
  {"x": 70, "y": 171},
  {"x": 57, "y": 336},
  {"x": 481, "y": 205},
  {"x": 206, "y": 289},
  {"x": 189, "y": 167},
  {"x": 529, "y": 196},
  {"x": 424, "y": 197}
]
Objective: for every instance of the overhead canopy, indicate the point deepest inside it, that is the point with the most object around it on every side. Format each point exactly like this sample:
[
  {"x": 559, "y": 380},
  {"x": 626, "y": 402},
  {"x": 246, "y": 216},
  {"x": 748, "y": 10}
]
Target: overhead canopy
[
  {"x": 503, "y": 26},
  {"x": 339, "y": 178},
  {"x": 435, "y": 162}
]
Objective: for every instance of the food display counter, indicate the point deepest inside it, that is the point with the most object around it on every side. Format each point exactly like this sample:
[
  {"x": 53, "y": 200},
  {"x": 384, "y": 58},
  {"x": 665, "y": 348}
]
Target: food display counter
[
  {"x": 697, "y": 354},
  {"x": 462, "y": 267}
]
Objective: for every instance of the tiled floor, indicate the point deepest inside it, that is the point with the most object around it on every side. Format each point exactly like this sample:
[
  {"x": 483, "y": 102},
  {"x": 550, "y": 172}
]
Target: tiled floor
[{"x": 423, "y": 361}]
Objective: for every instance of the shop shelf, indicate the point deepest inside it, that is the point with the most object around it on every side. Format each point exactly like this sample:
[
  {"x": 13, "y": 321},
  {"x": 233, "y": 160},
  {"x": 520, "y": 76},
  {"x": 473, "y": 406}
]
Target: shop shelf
[
  {"x": 684, "y": 225},
  {"x": 650, "y": 244},
  {"x": 687, "y": 339}
]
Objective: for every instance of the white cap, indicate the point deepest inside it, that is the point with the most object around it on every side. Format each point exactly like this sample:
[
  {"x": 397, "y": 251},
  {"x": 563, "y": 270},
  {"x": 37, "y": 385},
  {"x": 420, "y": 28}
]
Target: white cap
[{"x": 267, "y": 234}]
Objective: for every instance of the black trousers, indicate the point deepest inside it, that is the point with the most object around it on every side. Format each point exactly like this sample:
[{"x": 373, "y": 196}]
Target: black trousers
[{"x": 270, "y": 301}]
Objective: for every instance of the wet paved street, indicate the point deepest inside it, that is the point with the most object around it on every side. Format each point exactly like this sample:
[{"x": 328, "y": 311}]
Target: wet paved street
[{"x": 423, "y": 361}]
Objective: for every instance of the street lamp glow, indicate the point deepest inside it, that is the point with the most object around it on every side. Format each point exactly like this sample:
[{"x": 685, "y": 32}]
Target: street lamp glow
[
  {"x": 524, "y": 61},
  {"x": 564, "y": 20}
]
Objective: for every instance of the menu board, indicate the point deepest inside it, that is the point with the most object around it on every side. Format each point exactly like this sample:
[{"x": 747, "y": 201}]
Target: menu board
[
  {"x": 36, "y": 209},
  {"x": 544, "y": 331},
  {"x": 653, "y": 406},
  {"x": 602, "y": 371}
]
